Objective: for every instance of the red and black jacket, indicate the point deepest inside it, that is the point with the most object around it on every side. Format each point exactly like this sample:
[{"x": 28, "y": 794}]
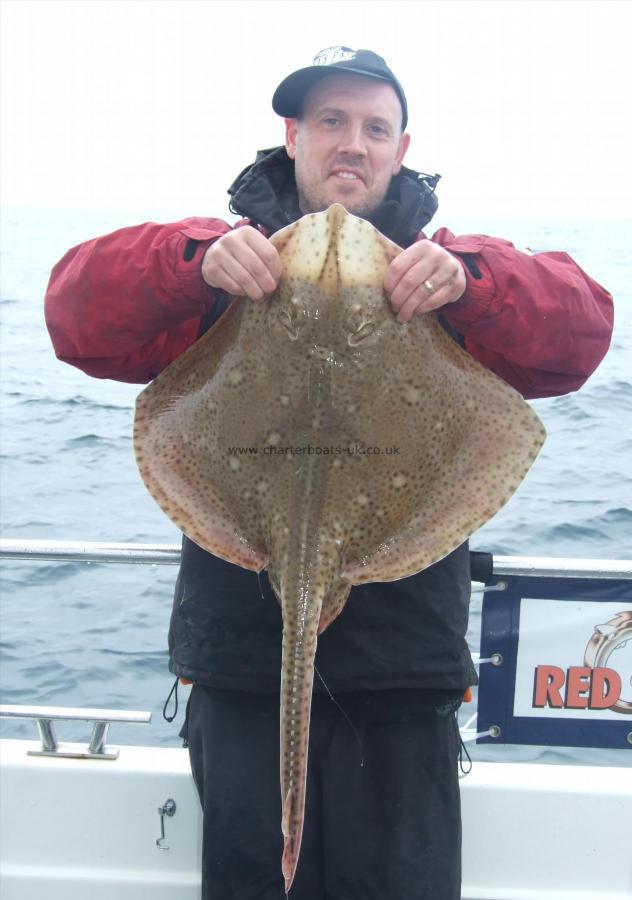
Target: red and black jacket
[{"x": 125, "y": 305}]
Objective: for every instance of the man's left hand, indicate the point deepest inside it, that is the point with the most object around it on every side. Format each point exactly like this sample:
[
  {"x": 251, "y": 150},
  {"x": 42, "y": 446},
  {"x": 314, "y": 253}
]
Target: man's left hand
[{"x": 422, "y": 278}]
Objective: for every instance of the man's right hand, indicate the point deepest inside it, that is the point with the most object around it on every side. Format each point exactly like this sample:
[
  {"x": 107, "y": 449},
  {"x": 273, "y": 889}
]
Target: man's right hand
[{"x": 243, "y": 263}]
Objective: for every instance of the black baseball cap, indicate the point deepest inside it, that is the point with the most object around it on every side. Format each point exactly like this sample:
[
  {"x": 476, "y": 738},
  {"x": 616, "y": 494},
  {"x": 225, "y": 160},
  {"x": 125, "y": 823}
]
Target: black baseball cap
[{"x": 289, "y": 95}]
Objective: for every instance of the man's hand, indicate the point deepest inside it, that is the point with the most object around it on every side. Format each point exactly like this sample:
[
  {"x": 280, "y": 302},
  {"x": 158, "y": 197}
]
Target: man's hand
[
  {"x": 422, "y": 278},
  {"x": 243, "y": 263}
]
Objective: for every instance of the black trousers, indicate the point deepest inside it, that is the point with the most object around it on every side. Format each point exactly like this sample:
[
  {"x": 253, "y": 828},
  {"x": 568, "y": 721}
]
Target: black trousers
[{"x": 382, "y": 817}]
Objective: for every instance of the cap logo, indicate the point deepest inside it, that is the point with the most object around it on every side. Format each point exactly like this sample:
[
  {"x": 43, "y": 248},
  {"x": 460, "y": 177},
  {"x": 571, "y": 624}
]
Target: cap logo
[{"x": 332, "y": 55}]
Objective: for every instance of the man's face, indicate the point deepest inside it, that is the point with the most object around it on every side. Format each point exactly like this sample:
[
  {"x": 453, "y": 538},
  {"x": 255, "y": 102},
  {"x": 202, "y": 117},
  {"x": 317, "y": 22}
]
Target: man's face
[{"x": 347, "y": 144}]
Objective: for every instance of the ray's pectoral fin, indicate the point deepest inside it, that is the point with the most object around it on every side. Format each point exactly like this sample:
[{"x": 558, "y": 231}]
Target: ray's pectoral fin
[
  {"x": 333, "y": 604},
  {"x": 282, "y": 238}
]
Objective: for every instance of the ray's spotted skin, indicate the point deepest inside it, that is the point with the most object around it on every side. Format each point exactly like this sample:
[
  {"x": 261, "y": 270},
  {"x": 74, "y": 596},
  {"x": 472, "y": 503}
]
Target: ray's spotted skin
[{"x": 268, "y": 443}]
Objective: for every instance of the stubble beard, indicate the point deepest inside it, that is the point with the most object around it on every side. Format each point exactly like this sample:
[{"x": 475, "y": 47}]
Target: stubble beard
[
  {"x": 314, "y": 200},
  {"x": 313, "y": 205}
]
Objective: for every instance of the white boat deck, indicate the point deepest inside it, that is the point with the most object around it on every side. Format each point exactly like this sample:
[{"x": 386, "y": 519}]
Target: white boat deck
[
  {"x": 75, "y": 828},
  {"x": 71, "y": 829}
]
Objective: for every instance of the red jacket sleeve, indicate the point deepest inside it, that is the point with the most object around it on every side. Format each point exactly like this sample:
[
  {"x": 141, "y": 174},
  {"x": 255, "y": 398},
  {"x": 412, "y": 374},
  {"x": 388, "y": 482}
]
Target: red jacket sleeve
[
  {"x": 538, "y": 321},
  {"x": 125, "y": 305}
]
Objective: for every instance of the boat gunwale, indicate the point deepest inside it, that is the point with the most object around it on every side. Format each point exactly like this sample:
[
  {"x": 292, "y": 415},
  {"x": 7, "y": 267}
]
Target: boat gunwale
[{"x": 169, "y": 554}]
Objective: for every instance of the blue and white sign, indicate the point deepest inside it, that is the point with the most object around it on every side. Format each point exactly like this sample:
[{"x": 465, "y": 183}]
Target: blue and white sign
[{"x": 562, "y": 662}]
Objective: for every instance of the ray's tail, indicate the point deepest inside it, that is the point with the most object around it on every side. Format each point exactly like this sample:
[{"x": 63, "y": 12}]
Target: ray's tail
[{"x": 299, "y": 649}]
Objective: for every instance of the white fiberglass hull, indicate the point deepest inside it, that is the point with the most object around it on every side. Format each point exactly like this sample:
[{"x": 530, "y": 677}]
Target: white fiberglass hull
[{"x": 75, "y": 828}]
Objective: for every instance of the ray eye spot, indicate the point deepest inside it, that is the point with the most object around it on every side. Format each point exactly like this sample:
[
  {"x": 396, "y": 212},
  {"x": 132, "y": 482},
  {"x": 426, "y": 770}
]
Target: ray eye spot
[
  {"x": 363, "y": 332},
  {"x": 412, "y": 394}
]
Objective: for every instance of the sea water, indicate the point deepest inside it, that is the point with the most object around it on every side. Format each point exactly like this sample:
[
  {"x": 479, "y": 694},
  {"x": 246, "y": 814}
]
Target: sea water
[{"x": 76, "y": 634}]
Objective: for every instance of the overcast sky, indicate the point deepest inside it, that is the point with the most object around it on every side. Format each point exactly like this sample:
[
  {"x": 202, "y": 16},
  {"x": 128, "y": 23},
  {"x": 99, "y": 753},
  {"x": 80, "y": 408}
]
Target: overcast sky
[{"x": 523, "y": 107}]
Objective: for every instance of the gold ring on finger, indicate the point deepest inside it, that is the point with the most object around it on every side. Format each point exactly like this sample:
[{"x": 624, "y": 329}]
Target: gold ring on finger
[{"x": 429, "y": 286}]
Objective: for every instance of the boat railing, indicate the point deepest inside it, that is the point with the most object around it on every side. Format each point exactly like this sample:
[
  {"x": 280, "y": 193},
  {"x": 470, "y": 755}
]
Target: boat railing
[
  {"x": 169, "y": 554},
  {"x": 101, "y": 719}
]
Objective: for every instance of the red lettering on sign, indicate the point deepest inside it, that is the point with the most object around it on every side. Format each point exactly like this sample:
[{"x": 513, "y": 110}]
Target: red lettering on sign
[
  {"x": 605, "y": 688},
  {"x": 586, "y": 688},
  {"x": 577, "y": 683},
  {"x": 547, "y": 685}
]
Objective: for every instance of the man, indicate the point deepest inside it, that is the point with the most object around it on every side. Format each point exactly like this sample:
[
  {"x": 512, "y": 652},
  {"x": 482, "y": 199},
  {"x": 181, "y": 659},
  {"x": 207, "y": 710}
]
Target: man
[{"x": 382, "y": 818}]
